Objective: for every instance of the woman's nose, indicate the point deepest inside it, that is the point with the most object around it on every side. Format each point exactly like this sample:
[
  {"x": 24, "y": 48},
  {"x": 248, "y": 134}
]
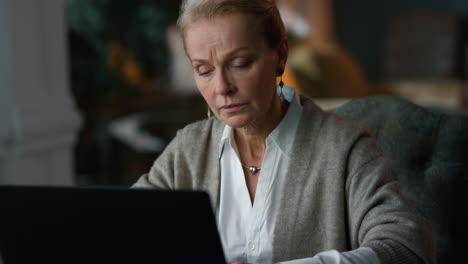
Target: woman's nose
[{"x": 224, "y": 85}]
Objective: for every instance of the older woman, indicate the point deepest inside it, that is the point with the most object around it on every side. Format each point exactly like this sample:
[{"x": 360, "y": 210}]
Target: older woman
[{"x": 288, "y": 181}]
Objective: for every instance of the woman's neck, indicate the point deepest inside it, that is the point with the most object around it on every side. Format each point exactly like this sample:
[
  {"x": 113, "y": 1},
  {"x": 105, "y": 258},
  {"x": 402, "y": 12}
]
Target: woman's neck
[{"x": 250, "y": 140}]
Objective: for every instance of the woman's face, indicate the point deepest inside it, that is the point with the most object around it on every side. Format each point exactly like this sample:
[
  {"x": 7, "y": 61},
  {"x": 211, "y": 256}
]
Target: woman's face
[{"x": 234, "y": 69}]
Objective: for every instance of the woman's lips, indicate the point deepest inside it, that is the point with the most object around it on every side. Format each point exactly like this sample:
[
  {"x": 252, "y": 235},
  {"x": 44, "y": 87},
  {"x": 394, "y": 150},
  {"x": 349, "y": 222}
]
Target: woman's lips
[{"x": 232, "y": 108}]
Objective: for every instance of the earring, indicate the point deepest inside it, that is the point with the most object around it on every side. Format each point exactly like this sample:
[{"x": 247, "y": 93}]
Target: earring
[
  {"x": 281, "y": 84},
  {"x": 208, "y": 112}
]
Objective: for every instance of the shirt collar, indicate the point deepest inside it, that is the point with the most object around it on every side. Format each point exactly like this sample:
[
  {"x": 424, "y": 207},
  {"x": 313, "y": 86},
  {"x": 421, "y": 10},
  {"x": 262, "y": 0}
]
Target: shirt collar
[
  {"x": 225, "y": 139},
  {"x": 283, "y": 134}
]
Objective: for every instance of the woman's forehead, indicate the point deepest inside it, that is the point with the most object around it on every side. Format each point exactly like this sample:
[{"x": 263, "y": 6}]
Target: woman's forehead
[{"x": 226, "y": 32}]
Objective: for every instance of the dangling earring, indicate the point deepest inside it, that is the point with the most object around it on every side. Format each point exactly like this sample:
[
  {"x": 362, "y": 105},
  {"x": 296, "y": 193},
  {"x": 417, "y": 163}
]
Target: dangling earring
[
  {"x": 208, "y": 112},
  {"x": 281, "y": 84}
]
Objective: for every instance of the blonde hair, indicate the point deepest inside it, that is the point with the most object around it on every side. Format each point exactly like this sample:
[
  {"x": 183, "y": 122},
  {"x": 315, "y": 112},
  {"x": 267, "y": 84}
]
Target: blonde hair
[{"x": 264, "y": 11}]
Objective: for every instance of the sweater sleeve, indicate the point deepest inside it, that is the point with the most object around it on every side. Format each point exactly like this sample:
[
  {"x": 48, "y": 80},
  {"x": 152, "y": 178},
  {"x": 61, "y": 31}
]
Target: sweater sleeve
[
  {"x": 161, "y": 174},
  {"x": 379, "y": 215},
  {"x": 361, "y": 255}
]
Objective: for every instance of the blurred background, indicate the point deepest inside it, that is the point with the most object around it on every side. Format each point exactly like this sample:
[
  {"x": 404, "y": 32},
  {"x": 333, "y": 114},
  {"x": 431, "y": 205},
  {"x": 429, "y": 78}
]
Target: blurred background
[{"x": 91, "y": 91}]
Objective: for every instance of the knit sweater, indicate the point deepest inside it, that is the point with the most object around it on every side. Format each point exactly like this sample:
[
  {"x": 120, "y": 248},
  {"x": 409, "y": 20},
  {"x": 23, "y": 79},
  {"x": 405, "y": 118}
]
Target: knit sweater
[{"x": 338, "y": 192}]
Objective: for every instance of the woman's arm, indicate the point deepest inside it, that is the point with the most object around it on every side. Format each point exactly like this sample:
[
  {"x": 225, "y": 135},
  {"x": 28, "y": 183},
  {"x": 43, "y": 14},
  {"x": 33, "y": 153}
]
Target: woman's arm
[
  {"x": 379, "y": 216},
  {"x": 161, "y": 174}
]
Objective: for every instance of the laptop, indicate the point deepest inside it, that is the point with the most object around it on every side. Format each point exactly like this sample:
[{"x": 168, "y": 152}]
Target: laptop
[{"x": 106, "y": 225}]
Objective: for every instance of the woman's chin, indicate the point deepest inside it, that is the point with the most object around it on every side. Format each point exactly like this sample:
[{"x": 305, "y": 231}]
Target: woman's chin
[{"x": 236, "y": 121}]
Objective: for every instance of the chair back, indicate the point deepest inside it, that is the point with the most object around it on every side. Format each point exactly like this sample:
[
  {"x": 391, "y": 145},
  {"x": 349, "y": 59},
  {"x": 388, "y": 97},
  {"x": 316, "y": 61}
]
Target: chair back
[{"x": 428, "y": 153}]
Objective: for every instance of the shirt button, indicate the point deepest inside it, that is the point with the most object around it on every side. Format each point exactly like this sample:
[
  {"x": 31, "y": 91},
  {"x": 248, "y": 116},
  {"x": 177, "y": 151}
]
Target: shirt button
[{"x": 252, "y": 246}]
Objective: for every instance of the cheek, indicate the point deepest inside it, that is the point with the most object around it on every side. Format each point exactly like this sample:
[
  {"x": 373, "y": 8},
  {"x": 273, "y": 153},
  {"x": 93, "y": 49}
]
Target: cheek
[
  {"x": 258, "y": 80},
  {"x": 204, "y": 90},
  {"x": 264, "y": 82}
]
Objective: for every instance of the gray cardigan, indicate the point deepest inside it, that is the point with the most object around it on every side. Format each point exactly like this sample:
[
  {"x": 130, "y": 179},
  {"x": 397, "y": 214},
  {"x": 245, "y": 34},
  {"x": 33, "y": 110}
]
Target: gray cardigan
[{"x": 338, "y": 194}]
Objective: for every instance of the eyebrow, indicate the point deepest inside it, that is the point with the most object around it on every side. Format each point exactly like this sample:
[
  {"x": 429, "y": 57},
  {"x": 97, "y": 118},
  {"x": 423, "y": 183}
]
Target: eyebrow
[{"x": 230, "y": 54}]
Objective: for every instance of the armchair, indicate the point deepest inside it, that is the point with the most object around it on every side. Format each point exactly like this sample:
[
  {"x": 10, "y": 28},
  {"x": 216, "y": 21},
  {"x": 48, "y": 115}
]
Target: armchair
[{"x": 426, "y": 148}]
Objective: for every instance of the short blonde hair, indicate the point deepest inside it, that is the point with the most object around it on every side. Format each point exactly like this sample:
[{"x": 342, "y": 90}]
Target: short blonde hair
[{"x": 264, "y": 11}]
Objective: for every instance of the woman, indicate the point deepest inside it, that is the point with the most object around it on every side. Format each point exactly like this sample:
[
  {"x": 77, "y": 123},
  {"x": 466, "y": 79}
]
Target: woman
[{"x": 288, "y": 181}]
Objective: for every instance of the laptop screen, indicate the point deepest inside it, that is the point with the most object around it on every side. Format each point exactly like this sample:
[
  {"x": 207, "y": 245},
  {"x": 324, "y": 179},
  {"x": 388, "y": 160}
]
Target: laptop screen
[{"x": 106, "y": 225}]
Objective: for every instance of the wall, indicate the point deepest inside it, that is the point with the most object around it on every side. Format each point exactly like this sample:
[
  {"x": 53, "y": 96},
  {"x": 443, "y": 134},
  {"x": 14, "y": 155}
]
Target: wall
[{"x": 361, "y": 25}]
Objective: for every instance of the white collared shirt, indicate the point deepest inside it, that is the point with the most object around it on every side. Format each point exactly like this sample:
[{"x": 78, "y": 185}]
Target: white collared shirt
[{"x": 246, "y": 229}]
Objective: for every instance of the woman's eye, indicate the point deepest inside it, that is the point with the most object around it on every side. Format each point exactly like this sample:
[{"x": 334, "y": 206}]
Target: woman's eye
[
  {"x": 241, "y": 63},
  {"x": 203, "y": 71}
]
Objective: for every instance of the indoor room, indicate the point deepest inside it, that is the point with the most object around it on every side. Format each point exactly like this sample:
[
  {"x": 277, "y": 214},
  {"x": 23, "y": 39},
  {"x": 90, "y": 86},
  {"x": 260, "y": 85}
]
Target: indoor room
[{"x": 93, "y": 92}]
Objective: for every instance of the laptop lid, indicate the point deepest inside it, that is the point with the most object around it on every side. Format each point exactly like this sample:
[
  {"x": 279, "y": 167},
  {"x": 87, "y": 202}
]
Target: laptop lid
[{"x": 106, "y": 225}]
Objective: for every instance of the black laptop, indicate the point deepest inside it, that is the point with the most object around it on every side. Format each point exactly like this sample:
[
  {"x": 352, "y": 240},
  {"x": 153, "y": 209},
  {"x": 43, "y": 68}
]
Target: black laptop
[{"x": 106, "y": 225}]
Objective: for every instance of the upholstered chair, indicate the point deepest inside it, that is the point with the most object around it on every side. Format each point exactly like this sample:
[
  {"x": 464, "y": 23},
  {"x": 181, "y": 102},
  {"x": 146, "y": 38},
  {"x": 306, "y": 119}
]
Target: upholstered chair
[{"x": 428, "y": 153}]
